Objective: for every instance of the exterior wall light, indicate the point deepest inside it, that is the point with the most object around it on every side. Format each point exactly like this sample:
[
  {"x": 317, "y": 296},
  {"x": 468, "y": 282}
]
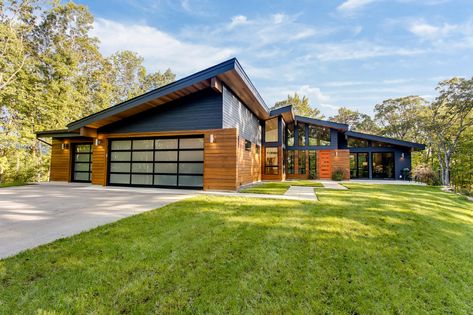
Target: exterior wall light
[
  {"x": 65, "y": 146},
  {"x": 98, "y": 142},
  {"x": 402, "y": 156},
  {"x": 212, "y": 138}
]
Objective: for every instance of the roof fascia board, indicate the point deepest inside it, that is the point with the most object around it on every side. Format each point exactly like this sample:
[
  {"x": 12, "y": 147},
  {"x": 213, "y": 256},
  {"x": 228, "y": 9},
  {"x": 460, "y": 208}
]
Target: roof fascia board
[
  {"x": 323, "y": 123},
  {"x": 402, "y": 143}
]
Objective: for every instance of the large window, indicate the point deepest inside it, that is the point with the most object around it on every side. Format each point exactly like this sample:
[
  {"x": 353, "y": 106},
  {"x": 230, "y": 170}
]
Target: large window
[
  {"x": 291, "y": 160},
  {"x": 301, "y": 159},
  {"x": 359, "y": 167},
  {"x": 312, "y": 164},
  {"x": 271, "y": 130},
  {"x": 319, "y": 136},
  {"x": 383, "y": 165},
  {"x": 301, "y": 134},
  {"x": 271, "y": 163},
  {"x": 357, "y": 143},
  {"x": 377, "y": 144},
  {"x": 290, "y": 135},
  {"x": 166, "y": 162}
]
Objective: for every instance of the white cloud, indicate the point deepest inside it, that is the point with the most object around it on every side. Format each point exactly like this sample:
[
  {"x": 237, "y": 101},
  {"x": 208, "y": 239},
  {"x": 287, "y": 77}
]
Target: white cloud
[
  {"x": 356, "y": 50},
  {"x": 428, "y": 31},
  {"x": 353, "y": 5},
  {"x": 238, "y": 20},
  {"x": 159, "y": 49}
]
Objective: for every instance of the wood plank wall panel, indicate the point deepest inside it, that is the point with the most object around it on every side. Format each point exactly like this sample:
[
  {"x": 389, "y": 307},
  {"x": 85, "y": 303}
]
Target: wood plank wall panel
[
  {"x": 249, "y": 163},
  {"x": 60, "y": 162},
  {"x": 99, "y": 163},
  {"x": 220, "y": 160},
  {"x": 341, "y": 159}
]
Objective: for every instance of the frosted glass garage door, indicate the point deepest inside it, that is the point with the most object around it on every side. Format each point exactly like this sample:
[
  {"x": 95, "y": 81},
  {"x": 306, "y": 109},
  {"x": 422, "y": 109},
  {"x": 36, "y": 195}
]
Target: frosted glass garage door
[{"x": 157, "y": 162}]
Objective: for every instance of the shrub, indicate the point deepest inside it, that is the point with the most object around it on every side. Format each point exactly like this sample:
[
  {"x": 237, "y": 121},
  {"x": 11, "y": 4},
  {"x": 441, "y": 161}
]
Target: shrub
[
  {"x": 338, "y": 174},
  {"x": 424, "y": 174}
]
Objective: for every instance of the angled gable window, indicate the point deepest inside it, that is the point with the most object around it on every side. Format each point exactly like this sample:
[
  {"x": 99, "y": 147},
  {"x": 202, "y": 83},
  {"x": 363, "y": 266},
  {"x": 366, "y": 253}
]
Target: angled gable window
[
  {"x": 357, "y": 143},
  {"x": 319, "y": 136}
]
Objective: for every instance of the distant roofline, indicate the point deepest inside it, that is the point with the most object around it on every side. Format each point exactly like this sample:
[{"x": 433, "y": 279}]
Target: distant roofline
[
  {"x": 323, "y": 123},
  {"x": 402, "y": 143}
]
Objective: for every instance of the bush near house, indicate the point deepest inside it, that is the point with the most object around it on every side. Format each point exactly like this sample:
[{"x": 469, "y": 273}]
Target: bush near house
[{"x": 338, "y": 174}]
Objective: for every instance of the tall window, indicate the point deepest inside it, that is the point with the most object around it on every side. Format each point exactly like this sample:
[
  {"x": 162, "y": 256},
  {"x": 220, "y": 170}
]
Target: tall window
[
  {"x": 301, "y": 134},
  {"x": 290, "y": 135},
  {"x": 291, "y": 159},
  {"x": 357, "y": 143},
  {"x": 319, "y": 136},
  {"x": 271, "y": 162},
  {"x": 271, "y": 130},
  {"x": 312, "y": 164},
  {"x": 301, "y": 162}
]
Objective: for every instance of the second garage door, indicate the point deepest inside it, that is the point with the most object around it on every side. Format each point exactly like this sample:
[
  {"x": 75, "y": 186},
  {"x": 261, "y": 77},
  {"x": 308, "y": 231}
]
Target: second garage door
[{"x": 158, "y": 162}]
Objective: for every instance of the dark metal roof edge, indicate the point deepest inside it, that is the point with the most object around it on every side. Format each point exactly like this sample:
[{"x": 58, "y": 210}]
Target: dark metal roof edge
[
  {"x": 320, "y": 122},
  {"x": 402, "y": 143},
  {"x": 161, "y": 91},
  {"x": 250, "y": 84},
  {"x": 61, "y": 133},
  {"x": 278, "y": 111}
]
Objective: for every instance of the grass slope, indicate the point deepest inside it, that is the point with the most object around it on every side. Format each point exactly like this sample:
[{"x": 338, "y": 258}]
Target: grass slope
[
  {"x": 278, "y": 188},
  {"x": 371, "y": 249},
  {"x": 5, "y": 185}
]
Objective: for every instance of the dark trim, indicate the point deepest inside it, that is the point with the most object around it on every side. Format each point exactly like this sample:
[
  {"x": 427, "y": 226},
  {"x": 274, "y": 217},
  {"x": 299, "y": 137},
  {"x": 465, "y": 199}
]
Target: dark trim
[
  {"x": 278, "y": 111},
  {"x": 323, "y": 123},
  {"x": 401, "y": 143},
  {"x": 62, "y": 133}
]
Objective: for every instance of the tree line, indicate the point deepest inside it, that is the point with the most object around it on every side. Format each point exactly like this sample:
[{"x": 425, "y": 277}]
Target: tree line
[
  {"x": 444, "y": 125},
  {"x": 52, "y": 73}
]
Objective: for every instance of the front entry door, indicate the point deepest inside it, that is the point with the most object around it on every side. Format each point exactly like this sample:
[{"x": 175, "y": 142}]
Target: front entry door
[{"x": 82, "y": 162}]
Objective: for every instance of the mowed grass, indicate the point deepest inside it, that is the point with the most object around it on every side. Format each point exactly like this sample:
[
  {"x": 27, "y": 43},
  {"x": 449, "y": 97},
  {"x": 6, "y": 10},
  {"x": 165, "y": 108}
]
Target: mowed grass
[
  {"x": 12, "y": 184},
  {"x": 367, "y": 250},
  {"x": 278, "y": 188}
]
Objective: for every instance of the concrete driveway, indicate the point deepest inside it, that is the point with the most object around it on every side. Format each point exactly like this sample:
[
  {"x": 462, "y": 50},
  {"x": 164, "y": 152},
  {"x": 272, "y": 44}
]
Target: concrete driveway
[{"x": 38, "y": 214}]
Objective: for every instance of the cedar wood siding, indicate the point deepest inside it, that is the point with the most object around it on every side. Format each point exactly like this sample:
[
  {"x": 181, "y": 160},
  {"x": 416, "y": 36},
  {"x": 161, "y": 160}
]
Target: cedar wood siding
[
  {"x": 200, "y": 110},
  {"x": 237, "y": 115}
]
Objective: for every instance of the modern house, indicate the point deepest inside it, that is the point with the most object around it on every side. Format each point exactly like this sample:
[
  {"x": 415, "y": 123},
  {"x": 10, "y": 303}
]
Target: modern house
[{"x": 212, "y": 130}]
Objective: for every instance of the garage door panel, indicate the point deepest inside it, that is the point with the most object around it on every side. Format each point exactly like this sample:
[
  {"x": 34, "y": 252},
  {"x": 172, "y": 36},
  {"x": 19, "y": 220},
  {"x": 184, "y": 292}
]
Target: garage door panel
[{"x": 161, "y": 162}]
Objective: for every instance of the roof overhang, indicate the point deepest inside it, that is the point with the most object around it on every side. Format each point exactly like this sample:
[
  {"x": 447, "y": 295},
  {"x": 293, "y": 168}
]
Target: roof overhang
[
  {"x": 229, "y": 72},
  {"x": 322, "y": 123},
  {"x": 413, "y": 145},
  {"x": 286, "y": 113},
  {"x": 62, "y": 133}
]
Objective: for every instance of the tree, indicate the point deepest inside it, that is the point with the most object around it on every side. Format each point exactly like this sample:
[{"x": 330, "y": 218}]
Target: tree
[
  {"x": 356, "y": 120},
  {"x": 399, "y": 117},
  {"x": 300, "y": 105},
  {"x": 129, "y": 77},
  {"x": 447, "y": 120},
  {"x": 16, "y": 21}
]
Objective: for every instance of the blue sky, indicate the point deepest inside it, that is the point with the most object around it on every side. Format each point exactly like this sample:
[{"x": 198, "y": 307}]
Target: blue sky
[{"x": 352, "y": 53}]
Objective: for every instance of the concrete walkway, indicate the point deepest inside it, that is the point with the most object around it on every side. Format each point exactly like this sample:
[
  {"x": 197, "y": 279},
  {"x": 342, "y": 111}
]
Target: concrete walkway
[
  {"x": 333, "y": 185},
  {"x": 302, "y": 192}
]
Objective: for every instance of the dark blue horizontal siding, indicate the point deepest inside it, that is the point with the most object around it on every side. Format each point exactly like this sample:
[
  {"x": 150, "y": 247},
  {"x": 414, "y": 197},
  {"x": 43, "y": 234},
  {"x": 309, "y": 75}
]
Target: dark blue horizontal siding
[
  {"x": 237, "y": 115},
  {"x": 200, "y": 110}
]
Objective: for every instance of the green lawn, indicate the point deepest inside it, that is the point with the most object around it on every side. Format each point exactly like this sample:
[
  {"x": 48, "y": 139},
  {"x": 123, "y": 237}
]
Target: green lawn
[
  {"x": 4, "y": 185},
  {"x": 278, "y": 188},
  {"x": 367, "y": 250}
]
